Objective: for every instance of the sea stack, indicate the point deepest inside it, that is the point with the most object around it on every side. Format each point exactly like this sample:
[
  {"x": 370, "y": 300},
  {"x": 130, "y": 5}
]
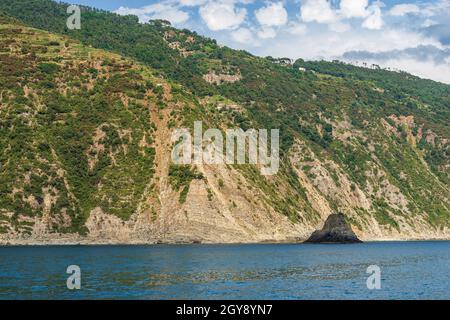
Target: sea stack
[{"x": 335, "y": 230}]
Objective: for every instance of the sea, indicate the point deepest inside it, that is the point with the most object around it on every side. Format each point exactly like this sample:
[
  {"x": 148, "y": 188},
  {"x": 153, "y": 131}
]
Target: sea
[{"x": 372, "y": 270}]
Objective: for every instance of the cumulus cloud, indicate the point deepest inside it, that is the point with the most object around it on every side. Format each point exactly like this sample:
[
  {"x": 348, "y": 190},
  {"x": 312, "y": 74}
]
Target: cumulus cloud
[
  {"x": 267, "y": 33},
  {"x": 192, "y": 3},
  {"x": 436, "y": 8},
  {"x": 322, "y": 11},
  {"x": 339, "y": 26},
  {"x": 354, "y": 8},
  {"x": 320, "y": 44},
  {"x": 401, "y": 10},
  {"x": 428, "y": 23},
  {"x": 375, "y": 20},
  {"x": 272, "y": 15},
  {"x": 242, "y": 35},
  {"x": 156, "y": 11},
  {"x": 321, "y": 30},
  {"x": 317, "y": 11},
  {"x": 222, "y": 15},
  {"x": 296, "y": 28}
]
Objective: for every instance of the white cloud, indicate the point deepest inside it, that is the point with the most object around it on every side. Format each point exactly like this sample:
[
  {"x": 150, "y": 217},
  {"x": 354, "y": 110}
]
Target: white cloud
[
  {"x": 428, "y": 23},
  {"x": 437, "y": 8},
  {"x": 156, "y": 11},
  {"x": 400, "y": 10},
  {"x": 192, "y": 3},
  {"x": 296, "y": 28},
  {"x": 222, "y": 15},
  {"x": 339, "y": 27},
  {"x": 267, "y": 33},
  {"x": 375, "y": 20},
  {"x": 243, "y": 35},
  {"x": 272, "y": 33},
  {"x": 317, "y": 10},
  {"x": 354, "y": 8},
  {"x": 272, "y": 15},
  {"x": 318, "y": 44}
]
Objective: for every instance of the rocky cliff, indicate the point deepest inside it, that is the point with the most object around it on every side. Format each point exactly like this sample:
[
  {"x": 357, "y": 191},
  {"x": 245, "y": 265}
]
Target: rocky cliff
[{"x": 85, "y": 140}]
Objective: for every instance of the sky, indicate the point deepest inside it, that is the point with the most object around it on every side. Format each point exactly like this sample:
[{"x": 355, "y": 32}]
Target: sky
[{"x": 408, "y": 35}]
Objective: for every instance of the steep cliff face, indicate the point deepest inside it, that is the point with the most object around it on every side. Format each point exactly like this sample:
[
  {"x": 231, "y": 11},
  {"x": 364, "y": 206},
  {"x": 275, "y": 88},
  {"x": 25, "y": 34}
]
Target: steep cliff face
[{"x": 86, "y": 148}]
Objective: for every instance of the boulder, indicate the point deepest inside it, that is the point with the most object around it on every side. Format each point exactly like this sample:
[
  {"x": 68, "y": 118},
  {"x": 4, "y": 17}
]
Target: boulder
[{"x": 335, "y": 230}]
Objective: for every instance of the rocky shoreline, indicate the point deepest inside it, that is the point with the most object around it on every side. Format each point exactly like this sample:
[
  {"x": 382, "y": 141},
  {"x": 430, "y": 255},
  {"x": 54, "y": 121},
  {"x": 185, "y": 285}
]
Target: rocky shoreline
[
  {"x": 98, "y": 242},
  {"x": 334, "y": 230}
]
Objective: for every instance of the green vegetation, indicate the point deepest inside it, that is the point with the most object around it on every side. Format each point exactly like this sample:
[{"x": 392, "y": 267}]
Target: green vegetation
[
  {"x": 67, "y": 136},
  {"x": 73, "y": 118},
  {"x": 180, "y": 178}
]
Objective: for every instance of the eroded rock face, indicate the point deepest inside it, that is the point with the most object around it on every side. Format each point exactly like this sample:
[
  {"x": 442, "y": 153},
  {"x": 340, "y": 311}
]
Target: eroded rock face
[{"x": 335, "y": 230}]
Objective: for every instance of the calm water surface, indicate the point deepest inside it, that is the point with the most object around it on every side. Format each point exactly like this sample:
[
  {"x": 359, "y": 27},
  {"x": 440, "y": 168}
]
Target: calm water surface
[{"x": 410, "y": 270}]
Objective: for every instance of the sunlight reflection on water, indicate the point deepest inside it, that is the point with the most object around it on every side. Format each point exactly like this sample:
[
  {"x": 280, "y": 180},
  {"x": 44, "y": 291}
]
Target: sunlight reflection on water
[{"x": 410, "y": 270}]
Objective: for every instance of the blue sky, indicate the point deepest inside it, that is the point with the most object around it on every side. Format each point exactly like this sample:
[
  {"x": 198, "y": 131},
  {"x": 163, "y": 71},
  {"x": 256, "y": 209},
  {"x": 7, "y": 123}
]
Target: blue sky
[{"x": 408, "y": 35}]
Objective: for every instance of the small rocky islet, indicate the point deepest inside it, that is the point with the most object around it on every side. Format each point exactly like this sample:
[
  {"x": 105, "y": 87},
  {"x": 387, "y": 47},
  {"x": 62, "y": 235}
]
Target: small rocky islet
[{"x": 335, "y": 230}]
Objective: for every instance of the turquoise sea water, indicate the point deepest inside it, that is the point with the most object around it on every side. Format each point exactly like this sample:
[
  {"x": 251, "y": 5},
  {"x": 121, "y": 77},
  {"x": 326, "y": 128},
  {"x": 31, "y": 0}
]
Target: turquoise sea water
[{"x": 409, "y": 270}]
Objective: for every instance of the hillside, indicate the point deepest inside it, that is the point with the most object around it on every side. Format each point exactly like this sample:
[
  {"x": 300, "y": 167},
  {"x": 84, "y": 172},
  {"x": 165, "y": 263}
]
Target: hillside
[{"x": 86, "y": 120}]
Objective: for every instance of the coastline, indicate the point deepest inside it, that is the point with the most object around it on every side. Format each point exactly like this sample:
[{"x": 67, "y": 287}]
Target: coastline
[{"x": 109, "y": 242}]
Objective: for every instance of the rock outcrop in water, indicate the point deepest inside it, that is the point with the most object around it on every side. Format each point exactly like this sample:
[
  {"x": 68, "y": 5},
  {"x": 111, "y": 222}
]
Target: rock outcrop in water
[{"x": 335, "y": 230}]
